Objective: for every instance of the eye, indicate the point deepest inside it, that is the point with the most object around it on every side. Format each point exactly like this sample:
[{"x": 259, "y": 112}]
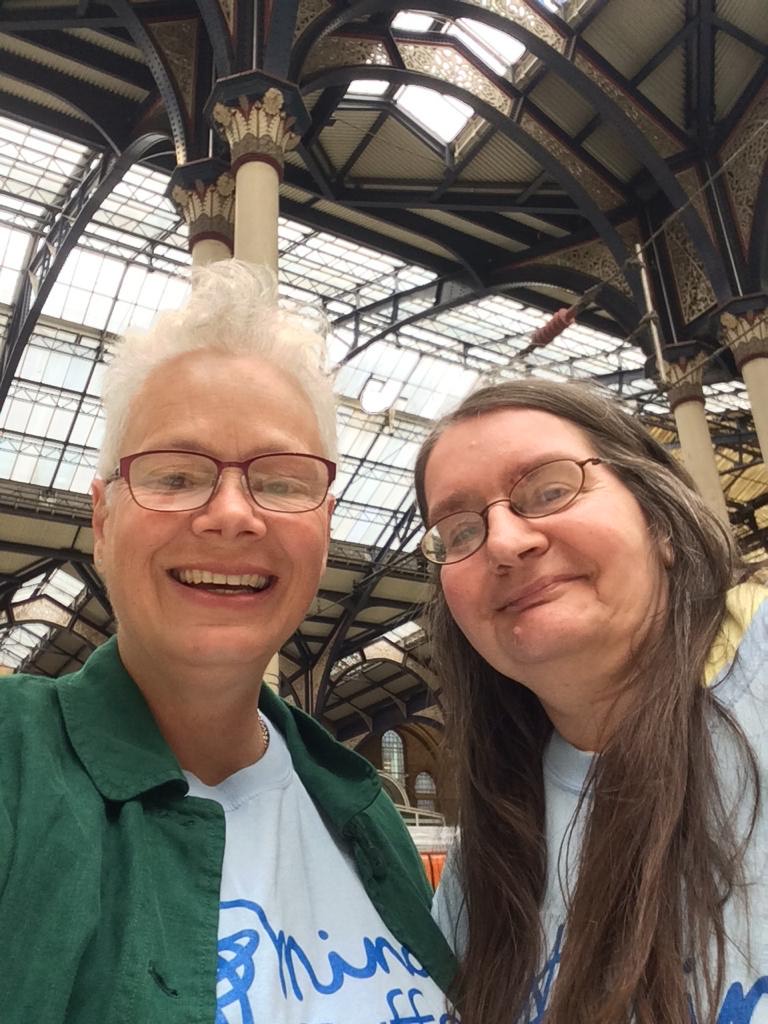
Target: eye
[
  {"x": 175, "y": 480},
  {"x": 551, "y": 494},
  {"x": 280, "y": 485},
  {"x": 460, "y": 534}
]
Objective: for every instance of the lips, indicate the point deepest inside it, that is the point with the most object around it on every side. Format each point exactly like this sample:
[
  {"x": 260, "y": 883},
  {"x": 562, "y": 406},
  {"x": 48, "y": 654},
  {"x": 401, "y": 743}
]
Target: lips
[{"x": 533, "y": 593}]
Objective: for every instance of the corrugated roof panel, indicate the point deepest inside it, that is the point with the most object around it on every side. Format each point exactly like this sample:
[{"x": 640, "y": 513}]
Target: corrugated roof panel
[
  {"x": 665, "y": 87},
  {"x": 13, "y": 87},
  {"x": 748, "y": 15},
  {"x": 298, "y": 195},
  {"x": 349, "y": 129},
  {"x": 501, "y": 160},
  {"x": 107, "y": 42},
  {"x": 606, "y": 145},
  {"x": 735, "y": 64},
  {"x": 383, "y": 228},
  {"x": 537, "y": 224},
  {"x": 629, "y": 33},
  {"x": 396, "y": 153},
  {"x": 473, "y": 230},
  {"x": 562, "y": 104},
  {"x": 74, "y": 68}
]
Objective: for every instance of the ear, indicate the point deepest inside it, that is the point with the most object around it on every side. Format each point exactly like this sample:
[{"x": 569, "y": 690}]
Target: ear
[
  {"x": 98, "y": 517},
  {"x": 331, "y": 506}
]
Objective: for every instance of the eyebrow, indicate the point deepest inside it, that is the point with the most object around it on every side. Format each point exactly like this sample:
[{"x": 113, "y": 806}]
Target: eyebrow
[
  {"x": 462, "y": 501},
  {"x": 180, "y": 444}
]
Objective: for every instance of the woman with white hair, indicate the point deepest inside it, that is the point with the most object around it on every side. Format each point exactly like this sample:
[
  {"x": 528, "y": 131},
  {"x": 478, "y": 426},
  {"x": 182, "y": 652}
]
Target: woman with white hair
[
  {"x": 602, "y": 656},
  {"x": 178, "y": 845}
]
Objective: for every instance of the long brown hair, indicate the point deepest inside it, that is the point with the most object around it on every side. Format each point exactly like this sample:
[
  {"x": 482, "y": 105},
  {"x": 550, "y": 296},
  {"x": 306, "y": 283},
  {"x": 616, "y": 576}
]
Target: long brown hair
[{"x": 660, "y": 855}]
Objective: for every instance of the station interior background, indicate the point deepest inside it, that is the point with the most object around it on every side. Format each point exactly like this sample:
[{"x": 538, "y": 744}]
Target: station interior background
[{"x": 465, "y": 170}]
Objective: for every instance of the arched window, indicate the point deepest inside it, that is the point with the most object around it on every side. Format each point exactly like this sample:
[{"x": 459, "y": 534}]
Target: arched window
[
  {"x": 426, "y": 792},
  {"x": 392, "y": 757}
]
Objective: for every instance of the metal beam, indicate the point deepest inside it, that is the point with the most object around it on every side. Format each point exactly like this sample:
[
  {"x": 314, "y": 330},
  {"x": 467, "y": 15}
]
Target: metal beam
[
  {"x": 109, "y": 115},
  {"x": 590, "y": 90},
  {"x": 305, "y": 213},
  {"x": 216, "y": 26},
  {"x": 54, "y": 249}
]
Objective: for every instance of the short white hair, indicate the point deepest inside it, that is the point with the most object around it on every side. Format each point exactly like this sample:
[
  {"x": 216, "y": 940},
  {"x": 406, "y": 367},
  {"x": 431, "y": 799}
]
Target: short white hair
[{"x": 232, "y": 308}]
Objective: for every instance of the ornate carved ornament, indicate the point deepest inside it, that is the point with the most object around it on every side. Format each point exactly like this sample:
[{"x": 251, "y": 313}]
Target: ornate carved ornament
[
  {"x": 663, "y": 141},
  {"x": 603, "y": 194},
  {"x": 690, "y": 182},
  {"x": 309, "y": 11},
  {"x": 521, "y": 13},
  {"x": 228, "y": 10},
  {"x": 208, "y": 208},
  {"x": 684, "y": 380},
  {"x": 591, "y": 258},
  {"x": 746, "y": 335},
  {"x": 257, "y": 129},
  {"x": 448, "y": 65},
  {"x": 345, "y": 51},
  {"x": 745, "y": 173},
  {"x": 177, "y": 42},
  {"x": 694, "y": 289}
]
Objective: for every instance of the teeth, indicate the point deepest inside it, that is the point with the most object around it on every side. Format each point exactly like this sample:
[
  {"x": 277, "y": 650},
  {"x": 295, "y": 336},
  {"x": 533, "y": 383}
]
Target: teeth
[{"x": 198, "y": 576}]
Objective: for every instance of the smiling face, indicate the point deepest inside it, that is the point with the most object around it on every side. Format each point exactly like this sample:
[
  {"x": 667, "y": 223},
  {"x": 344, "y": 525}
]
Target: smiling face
[
  {"x": 159, "y": 566},
  {"x": 557, "y": 603}
]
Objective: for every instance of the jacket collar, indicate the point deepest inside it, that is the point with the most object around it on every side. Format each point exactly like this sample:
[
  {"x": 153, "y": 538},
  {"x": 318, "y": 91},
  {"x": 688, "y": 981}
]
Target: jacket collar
[
  {"x": 118, "y": 742},
  {"x": 112, "y": 729}
]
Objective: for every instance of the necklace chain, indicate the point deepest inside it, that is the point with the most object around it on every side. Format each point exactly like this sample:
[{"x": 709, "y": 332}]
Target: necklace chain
[{"x": 264, "y": 733}]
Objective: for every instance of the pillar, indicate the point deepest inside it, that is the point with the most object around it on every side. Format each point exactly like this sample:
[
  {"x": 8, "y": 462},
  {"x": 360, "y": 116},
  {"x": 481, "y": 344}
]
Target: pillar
[
  {"x": 747, "y": 338},
  {"x": 261, "y": 118},
  {"x": 686, "y": 399},
  {"x": 203, "y": 192}
]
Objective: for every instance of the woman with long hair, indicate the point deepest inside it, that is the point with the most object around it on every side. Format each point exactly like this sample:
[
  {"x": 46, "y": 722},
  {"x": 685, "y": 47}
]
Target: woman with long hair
[{"x": 602, "y": 654}]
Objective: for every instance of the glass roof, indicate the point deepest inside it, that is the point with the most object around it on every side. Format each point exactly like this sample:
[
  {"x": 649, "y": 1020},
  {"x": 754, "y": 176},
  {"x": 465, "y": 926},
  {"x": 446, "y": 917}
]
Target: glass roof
[{"x": 392, "y": 381}]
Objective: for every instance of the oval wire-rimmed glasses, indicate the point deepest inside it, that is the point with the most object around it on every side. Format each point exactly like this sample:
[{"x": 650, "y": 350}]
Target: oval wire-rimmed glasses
[
  {"x": 168, "y": 480},
  {"x": 548, "y": 488}
]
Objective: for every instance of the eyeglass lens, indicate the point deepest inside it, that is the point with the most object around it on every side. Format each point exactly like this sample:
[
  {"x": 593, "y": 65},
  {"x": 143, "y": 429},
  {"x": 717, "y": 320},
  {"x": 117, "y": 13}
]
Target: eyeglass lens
[
  {"x": 542, "y": 491},
  {"x": 180, "y": 481}
]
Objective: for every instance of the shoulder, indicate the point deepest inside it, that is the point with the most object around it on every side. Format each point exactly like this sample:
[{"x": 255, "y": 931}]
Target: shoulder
[
  {"x": 738, "y": 661},
  {"x": 27, "y": 699},
  {"x": 449, "y": 905}
]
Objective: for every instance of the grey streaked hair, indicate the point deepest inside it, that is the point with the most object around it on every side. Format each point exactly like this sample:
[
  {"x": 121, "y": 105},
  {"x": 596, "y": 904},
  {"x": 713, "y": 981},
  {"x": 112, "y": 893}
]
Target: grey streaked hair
[{"x": 232, "y": 308}]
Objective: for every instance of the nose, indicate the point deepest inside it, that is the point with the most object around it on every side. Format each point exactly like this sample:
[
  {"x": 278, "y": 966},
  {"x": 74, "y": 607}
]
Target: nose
[
  {"x": 512, "y": 537},
  {"x": 231, "y": 511}
]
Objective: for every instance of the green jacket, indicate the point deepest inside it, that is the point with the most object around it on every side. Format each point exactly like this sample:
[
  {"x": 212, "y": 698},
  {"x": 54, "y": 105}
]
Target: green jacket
[{"x": 109, "y": 874}]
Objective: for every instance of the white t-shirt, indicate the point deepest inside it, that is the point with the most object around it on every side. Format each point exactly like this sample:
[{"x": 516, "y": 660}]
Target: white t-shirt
[
  {"x": 299, "y": 940},
  {"x": 745, "y": 997}
]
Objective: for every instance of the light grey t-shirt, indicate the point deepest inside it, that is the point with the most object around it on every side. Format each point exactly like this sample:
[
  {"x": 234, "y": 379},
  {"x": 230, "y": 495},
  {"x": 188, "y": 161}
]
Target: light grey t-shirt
[
  {"x": 744, "y": 690},
  {"x": 299, "y": 940}
]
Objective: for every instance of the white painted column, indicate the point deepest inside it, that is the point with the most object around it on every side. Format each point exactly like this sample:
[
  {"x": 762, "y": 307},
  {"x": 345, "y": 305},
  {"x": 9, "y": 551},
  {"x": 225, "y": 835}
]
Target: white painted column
[
  {"x": 686, "y": 399},
  {"x": 203, "y": 191},
  {"x": 747, "y": 337}
]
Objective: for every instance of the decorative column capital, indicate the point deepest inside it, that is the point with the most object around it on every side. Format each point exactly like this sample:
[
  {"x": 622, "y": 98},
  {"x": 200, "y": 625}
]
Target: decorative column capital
[
  {"x": 261, "y": 117},
  {"x": 203, "y": 191},
  {"x": 746, "y": 335},
  {"x": 685, "y": 378}
]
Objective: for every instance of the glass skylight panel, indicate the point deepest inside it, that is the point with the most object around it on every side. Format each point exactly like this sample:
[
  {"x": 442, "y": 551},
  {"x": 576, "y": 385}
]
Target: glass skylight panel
[
  {"x": 412, "y": 21},
  {"x": 17, "y": 644},
  {"x": 496, "y": 49},
  {"x": 13, "y": 247},
  {"x": 442, "y": 116},
  {"x": 367, "y": 87},
  {"x": 143, "y": 292}
]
